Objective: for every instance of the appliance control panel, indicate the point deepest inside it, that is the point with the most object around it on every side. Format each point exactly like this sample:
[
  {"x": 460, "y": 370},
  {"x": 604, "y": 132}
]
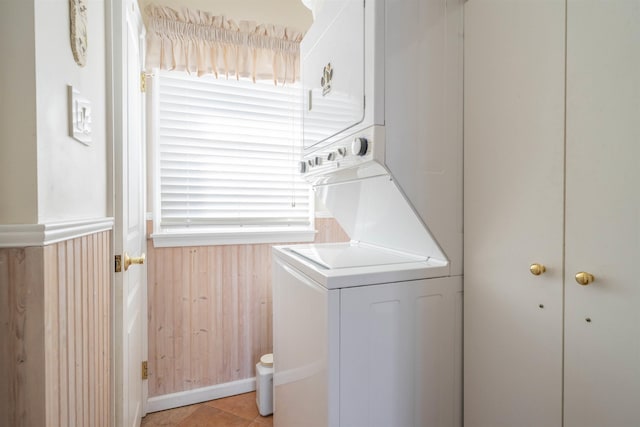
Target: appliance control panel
[{"x": 351, "y": 153}]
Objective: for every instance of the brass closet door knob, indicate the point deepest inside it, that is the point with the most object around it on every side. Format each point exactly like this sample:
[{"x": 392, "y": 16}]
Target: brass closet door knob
[
  {"x": 128, "y": 261},
  {"x": 584, "y": 278},
  {"x": 537, "y": 269}
]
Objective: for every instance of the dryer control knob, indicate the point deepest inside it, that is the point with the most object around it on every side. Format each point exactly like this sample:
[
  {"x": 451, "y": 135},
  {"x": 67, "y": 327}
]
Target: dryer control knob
[{"x": 360, "y": 146}]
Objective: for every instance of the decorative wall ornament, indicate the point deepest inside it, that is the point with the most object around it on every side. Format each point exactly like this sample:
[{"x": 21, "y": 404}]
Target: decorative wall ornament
[
  {"x": 78, "y": 18},
  {"x": 325, "y": 81}
]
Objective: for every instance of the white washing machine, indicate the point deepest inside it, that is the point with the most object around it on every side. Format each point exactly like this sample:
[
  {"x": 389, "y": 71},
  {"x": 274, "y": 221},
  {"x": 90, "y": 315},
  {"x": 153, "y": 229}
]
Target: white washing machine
[{"x": 365, "y": 336}]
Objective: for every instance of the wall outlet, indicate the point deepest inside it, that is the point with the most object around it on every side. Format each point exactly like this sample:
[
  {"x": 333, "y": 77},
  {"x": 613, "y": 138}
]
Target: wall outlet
[{"x": 79, "y": 116}]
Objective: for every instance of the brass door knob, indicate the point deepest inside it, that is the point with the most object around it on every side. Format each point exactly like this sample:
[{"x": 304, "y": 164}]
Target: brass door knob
[
  {"x": 128, "y": 261},
  {"x": 537, "y": 269},
  {"x": 584, "y": 278}
]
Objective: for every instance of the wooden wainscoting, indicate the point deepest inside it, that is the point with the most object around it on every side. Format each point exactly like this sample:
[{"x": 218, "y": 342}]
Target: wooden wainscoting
[
  {"x": 22, "y": 371},
  {"x": 210, "y": 311},
  {"x": 78, "y": 331},
  {"x": 55, "y": 310}
]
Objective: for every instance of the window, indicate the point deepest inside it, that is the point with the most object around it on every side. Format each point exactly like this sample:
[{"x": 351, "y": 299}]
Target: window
[{"x": 225, "y": 162}]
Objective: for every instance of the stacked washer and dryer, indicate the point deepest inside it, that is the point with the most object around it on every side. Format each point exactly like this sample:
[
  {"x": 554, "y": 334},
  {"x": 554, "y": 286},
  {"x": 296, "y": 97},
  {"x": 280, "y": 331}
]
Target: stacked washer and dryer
[{"x": 369, "y": 332}]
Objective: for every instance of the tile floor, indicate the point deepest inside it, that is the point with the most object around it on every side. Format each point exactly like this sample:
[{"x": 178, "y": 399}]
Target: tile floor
[{"x": 234, "y": 411}]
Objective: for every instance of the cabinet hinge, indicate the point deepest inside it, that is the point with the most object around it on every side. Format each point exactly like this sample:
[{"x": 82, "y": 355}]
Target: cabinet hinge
[
  {"x": 143, "y": 82},
  {"x": 145, "y": 372},
  {"x": 118, "y": 263}
]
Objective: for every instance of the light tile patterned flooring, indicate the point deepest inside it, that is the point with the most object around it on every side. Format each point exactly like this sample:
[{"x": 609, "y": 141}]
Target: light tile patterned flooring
[{"x": 234, "y": 411}]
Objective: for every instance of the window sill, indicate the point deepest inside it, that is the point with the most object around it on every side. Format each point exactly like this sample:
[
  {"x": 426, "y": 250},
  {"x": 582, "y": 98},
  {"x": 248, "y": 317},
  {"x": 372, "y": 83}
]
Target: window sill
[{"x": 170, "y": 240}]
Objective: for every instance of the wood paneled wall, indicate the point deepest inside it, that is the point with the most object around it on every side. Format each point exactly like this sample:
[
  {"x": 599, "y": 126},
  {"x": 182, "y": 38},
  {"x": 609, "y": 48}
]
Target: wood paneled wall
[
  {"x": 55, "y": 311},
  {"x": 22, "y": 393},
  {"x": 210, "y": 312},
  {"x": 78, "y": 331}
]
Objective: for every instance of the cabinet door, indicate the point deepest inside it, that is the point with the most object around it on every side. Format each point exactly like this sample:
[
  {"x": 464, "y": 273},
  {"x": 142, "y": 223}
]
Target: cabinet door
[
  {"x": 602, "y": 329},
  {"x": 514, "y": 145}
]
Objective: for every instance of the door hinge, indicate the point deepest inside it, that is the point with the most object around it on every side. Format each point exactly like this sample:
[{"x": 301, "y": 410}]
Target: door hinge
[
  {"x": 118, "y": 263},
  {"x": 143, "y": 82},
  {"x": 145, "y": 371}
]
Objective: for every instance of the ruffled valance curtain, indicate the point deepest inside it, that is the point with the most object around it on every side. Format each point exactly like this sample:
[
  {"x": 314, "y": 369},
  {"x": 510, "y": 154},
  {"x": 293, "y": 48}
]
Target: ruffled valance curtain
[{"x": 201, "y": 43}]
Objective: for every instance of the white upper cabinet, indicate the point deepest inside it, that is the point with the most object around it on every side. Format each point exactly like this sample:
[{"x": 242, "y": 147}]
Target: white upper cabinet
[{"x": 552, "y": 142}]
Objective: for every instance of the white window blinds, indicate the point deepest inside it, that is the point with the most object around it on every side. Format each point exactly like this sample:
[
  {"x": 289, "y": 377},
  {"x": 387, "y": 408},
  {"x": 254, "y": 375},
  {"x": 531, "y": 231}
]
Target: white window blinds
[{"x": 226, "y": 158}]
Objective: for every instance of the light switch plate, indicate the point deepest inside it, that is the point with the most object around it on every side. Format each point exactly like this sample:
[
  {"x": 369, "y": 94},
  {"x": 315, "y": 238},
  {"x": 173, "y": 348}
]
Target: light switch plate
[{"x": 79, "y": 116}]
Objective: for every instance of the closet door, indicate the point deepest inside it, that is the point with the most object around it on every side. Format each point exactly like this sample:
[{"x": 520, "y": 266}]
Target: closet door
[
  {"x": 602, "y": 329},
  {"x": 514, "y": 170}
]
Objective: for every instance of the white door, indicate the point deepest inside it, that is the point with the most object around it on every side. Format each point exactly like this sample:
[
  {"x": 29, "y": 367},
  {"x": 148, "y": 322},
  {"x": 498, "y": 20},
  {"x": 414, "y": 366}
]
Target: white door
[
  {"x": 130, "y": 336},
  {"x": 513, "y": 212},
  {"x": 602, "y": 319}
]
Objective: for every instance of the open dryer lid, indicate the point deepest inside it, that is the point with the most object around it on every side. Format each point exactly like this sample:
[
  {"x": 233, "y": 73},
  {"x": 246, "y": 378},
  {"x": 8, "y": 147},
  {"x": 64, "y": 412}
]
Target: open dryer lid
[{"x": 373, "y": 210}]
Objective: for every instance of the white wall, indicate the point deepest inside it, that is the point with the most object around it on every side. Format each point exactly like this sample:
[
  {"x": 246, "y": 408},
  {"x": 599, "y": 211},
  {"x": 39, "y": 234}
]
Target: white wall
[
  {"x": 18, "y": 189},
  {"x": 72, "y": 177},
  {"x": 290, "y": 13},
  {"x": 45, "y": 175}
]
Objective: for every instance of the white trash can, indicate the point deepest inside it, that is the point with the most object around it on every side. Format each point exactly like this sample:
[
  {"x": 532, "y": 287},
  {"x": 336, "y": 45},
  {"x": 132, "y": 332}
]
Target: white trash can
[{"x": 264, "y": 385}]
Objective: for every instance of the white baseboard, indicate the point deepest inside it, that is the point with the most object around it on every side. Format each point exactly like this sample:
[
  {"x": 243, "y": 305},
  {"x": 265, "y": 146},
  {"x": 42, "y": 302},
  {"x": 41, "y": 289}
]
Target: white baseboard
[{"x": 189, "y": 397}]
